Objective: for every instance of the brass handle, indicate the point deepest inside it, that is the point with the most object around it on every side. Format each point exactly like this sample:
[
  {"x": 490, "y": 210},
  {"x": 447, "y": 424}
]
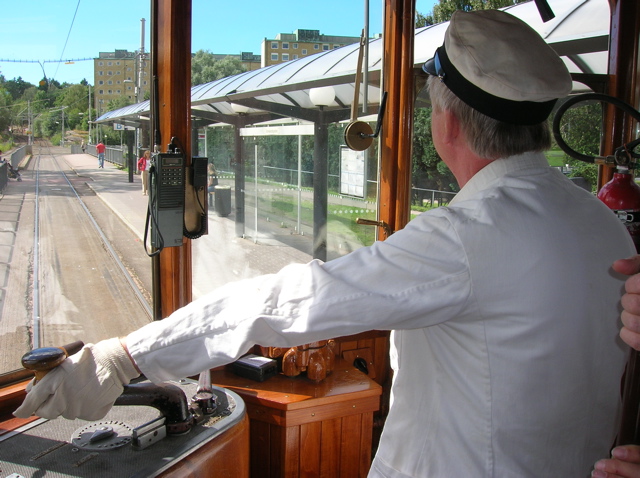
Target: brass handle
[{"x": 371, "y": 222}]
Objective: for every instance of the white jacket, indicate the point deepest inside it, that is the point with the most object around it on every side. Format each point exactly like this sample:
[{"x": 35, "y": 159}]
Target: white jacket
[{"x": 504, "y": 309}]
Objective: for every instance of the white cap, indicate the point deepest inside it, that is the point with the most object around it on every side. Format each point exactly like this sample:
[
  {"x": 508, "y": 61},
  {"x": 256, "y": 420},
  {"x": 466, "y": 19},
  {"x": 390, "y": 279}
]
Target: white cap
[{"x": 500, "y": 66}]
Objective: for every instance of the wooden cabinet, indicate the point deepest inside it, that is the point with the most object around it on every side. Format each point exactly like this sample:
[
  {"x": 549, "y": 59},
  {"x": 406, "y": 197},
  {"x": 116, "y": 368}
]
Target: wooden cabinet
[{"x": 299, "y": 428}]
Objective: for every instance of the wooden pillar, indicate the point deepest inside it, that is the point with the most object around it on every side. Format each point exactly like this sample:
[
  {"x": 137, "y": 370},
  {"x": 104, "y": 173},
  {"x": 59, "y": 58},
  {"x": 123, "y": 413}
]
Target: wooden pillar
[
  {"x": 397, "y": 130},
  {"x": 623, "y": 77},
  {"x": 171, "y": 67},
  {"x": 620, "y": 129}
]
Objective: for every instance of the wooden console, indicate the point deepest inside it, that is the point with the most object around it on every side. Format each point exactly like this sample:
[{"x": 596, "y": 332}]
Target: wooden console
[{"x": 299, "y": 428}]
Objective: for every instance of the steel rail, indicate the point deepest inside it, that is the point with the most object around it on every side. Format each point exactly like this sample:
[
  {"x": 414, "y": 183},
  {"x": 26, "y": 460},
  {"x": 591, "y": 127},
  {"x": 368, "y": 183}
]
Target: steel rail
[{"x": 105, "y": 241}]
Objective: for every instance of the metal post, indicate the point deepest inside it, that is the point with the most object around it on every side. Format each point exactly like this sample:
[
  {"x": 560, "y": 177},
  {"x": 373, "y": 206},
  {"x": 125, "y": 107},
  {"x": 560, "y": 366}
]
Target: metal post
[
  {"x": 239, "y": 182},
  {"x": 138, "y": 87},
  {"x": 255, "y": 185},
  {"x": 130, "y": 160},
  {"x": 320, "y": 199},
  {"x": 299, "y": 225},
  {"x": 365, "y": 74},
  {"x": 29, "y": 116},
  {"x": 90, "y": 119}
]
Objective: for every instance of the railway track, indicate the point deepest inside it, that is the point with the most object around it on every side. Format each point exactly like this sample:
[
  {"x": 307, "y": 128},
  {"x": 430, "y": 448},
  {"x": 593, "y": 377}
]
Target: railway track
[
  {"x": 89, "y": 275},
  {"x": 78, "y": 287}
]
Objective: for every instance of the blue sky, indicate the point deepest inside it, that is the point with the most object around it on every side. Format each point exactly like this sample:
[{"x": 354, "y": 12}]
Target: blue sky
[{"x": 36, "y": 30}]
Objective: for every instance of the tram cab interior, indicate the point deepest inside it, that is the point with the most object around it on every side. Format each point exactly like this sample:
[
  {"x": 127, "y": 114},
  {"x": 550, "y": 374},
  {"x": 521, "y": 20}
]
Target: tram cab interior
[{"x": 278, "y": 425}]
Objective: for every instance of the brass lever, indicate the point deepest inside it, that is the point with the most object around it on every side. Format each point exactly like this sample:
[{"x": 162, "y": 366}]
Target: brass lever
[{"x": 371, "y": 222}]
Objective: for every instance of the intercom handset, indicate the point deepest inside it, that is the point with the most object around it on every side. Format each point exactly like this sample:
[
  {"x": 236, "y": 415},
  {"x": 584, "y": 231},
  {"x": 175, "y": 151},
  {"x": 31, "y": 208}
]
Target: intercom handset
[{"x": 167, "y": 199}]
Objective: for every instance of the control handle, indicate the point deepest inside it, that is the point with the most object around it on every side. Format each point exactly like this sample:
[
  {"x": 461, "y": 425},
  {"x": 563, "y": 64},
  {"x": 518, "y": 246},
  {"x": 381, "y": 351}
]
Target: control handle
[{"x": 44, "y": 359}]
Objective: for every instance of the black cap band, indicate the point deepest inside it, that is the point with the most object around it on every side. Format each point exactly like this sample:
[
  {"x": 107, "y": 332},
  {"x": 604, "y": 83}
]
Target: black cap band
[{"x": 501, "y": 109}]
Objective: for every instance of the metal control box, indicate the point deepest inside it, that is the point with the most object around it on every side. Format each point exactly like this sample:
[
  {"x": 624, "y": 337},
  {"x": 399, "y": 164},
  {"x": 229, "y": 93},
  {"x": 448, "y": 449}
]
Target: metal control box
[
  {"x": 167, "y": 200},
  {"x": 68, "y": 448}
]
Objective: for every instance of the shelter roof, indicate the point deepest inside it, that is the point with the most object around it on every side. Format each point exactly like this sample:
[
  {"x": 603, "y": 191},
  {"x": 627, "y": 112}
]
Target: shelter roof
[{"x": 579, "y": 33}]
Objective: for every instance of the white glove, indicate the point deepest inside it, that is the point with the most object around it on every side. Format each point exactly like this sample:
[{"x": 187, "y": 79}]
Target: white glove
[{"x": 84, "y": 386}]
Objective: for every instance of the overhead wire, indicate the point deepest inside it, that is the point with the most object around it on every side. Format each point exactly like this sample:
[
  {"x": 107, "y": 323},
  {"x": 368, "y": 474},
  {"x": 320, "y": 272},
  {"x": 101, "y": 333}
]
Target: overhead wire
[{"x": 67, "y": 40}]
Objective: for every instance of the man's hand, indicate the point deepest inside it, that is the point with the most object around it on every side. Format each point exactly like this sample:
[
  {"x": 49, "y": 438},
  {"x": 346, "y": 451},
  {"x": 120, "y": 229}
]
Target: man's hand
[
  {"x": 84, "y": 386},
  {"x": 630, "y": 316},
  {"x": 625, "y": 463}
]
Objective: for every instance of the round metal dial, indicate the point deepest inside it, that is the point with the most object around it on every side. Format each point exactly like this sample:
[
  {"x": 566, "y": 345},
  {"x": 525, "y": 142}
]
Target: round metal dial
[{"x": 104, "y": 435}]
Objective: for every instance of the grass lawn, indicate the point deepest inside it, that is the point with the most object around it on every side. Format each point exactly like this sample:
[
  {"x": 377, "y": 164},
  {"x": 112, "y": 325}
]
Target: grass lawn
[{"x": 556, "y": 157}]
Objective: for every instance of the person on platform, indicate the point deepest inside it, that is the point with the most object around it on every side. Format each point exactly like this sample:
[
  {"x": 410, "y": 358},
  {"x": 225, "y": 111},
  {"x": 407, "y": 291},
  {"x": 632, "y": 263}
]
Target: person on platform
[
  {"x": 100, "y": 149},
  {"x": 503, "y": 357},
  {"x": 143, "y": 166}
]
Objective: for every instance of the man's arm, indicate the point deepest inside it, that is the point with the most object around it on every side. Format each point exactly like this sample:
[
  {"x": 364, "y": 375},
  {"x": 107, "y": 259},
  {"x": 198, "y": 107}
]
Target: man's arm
[
  {"x": 625, "y": 460},
  {"x": 630, "y": 316}
]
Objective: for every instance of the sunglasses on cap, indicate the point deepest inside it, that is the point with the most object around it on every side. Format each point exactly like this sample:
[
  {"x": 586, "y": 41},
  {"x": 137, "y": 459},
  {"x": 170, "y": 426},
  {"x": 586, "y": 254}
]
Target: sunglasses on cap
[{"x": 433, "y": 66}]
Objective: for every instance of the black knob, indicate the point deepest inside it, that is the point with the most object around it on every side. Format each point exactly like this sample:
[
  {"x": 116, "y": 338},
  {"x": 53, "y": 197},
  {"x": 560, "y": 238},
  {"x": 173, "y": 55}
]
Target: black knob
[{"x": 42, "y": 360}]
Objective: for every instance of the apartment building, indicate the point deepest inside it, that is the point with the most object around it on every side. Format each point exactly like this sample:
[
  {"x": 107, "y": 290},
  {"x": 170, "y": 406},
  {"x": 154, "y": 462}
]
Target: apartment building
[
  {"x": 116, "y": 74},
  {"x": 249, "y": 61},
  {"x": 300, "y": 43}
]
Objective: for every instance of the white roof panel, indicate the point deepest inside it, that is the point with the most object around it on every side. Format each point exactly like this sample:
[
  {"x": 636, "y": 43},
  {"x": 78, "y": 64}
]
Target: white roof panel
[{"x": 579, "y": 32}]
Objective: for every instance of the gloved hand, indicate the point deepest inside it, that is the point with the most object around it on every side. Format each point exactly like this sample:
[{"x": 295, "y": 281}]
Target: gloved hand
[{"x": 84, "y": 386}]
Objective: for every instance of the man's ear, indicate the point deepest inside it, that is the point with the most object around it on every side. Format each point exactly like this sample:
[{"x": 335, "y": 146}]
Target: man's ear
[{"x": 451, "y": 127}]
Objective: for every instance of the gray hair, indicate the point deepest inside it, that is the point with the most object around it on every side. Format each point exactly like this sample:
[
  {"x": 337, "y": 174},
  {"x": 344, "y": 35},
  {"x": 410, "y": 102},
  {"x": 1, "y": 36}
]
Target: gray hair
[{"x": 487, "y": 137}]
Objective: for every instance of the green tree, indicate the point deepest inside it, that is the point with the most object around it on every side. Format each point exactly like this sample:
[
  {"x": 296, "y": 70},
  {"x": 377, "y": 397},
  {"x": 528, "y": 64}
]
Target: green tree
[
  {"x": 111, "y": 136},
  {"x": 581, "y": 127},
  {"x": 76, "y": 100},
  {"x": 5, "y": 110},
  {"x": 205, "y": 67},
  {"x": 119, "y": 102},
  {"x": 443, "y": 10},
  {"x": 15, "y": 87}
]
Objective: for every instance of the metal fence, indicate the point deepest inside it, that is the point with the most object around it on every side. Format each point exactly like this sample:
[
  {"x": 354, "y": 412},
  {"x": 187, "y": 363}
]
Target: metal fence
[
  {"x": 113, "y": 154},
  {"x": 4, "y": 177},
  {"x": 16, "y": 157},
  {"x": 430, "y": 197},
  {"x": 419, "y": 196}
]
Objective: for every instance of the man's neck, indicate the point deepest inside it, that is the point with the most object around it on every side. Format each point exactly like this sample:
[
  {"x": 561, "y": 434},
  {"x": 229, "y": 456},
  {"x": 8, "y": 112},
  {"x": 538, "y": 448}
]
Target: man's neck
[{"x": 466, "y": 165}]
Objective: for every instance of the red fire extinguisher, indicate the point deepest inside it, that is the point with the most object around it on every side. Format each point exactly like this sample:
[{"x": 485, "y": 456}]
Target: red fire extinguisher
[{"x": 622, "y": 195}]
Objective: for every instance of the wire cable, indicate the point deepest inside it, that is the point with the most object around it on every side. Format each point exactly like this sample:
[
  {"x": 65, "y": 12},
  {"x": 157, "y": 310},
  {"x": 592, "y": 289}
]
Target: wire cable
[{"x": 67, "y": 40}]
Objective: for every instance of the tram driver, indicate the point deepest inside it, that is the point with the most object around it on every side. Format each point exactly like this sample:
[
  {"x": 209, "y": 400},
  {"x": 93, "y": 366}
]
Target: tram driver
[{"x": 503, "y": 305}]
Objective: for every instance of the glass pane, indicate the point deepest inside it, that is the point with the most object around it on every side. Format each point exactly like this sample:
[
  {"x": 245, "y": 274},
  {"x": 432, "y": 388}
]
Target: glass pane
[
  {"x": 73, "y": 268},
  {"x": 278, "y": 193},
  {"x": 274, "y": 189}
]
